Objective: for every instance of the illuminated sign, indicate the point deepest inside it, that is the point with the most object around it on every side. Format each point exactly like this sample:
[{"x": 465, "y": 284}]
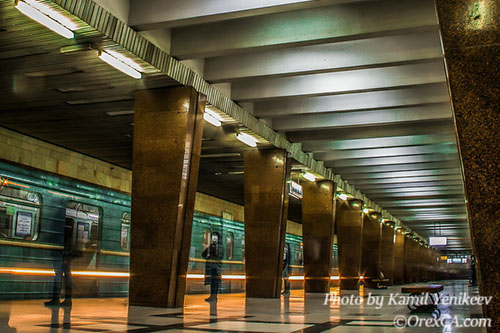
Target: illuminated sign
[
  {"x": 437, "y": 241},
  {"x": 295, "y": 190}
]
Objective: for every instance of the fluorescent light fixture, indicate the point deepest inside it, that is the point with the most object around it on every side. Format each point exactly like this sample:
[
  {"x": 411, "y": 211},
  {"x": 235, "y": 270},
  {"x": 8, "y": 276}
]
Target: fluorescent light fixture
[
  {"x": 247, "y": 139},
  {"x": 211, "y": 120},
  {"x": 214, "y": 114},
  {"x": 217, "y": 155},
  {"x": 47, "y": 17},
  {"x": 343, "y": 197},
  {"x": 366, "y": 210},
  {"x": 126, "y": 60},
  {"x": 120, "y": 113},
  {"x": 120, "y": 65},
  {"x": 438, "y": 241},
  {"x": 52, "y": 13},
  {"x": 309, "y": 176}
]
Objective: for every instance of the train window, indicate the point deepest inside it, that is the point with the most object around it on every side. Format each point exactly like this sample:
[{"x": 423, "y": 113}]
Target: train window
[
  {"x": 125, "y": 232},
  {"x": 230, "y": 245},
  {"x": 86, "y": 218},
  {"x": 207, "y": 237},
  {"x": 5, "y": 223},
  {"x": 19, "y": 213}
]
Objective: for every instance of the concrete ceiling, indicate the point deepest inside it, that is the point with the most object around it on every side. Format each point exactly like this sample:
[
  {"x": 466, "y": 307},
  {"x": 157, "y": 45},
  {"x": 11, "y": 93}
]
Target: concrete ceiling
[{"x": 360, "y": 85}]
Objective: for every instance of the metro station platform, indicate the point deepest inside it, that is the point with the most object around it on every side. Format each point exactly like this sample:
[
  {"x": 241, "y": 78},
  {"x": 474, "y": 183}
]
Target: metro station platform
[{"x": 233, "y": 313}]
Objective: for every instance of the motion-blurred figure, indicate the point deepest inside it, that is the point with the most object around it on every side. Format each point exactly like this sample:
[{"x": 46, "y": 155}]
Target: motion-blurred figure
[
  {"x": 63, "y": 269},
  {"x": 473, "y": 279},
  {"x": 214, "y": 254},
  {"x": 286, "y": 270}
]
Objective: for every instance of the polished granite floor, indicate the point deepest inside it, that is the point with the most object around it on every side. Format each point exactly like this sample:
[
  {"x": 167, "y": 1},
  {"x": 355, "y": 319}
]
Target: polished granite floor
[{"x": 232, "y": 313}]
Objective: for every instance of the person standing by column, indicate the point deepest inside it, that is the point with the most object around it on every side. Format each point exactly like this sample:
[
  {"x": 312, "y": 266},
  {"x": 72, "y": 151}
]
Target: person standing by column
[
  {"x": 213, "y": 267},
  {"x": 63, "y": 269},
  {"x": 286, "y": 270}
]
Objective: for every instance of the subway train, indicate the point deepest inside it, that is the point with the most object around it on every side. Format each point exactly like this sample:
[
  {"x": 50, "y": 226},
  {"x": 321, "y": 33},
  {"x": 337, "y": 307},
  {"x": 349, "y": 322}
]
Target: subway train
[{"x": 34, "y": 208}]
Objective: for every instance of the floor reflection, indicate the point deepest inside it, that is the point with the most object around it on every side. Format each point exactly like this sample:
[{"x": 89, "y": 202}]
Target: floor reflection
[{"x": 297, "y": 312}]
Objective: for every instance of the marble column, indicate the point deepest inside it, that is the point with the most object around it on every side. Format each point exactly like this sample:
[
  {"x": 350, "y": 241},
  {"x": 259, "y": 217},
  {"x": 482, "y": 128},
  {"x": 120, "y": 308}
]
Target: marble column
[
  {"x": 470, "y": 33},
  {"x": 318, "y": 222},
  {"x": 415, "y": 260},
  {"x": 399, "y": 258},
  {"x": 266, "y": 207},
  {"x": 168, "y": 128},
  {"x": 370, "y": 249},
  {"x": 408, "y": 263},
  {"x": 387, "y": 251},
  {"x": 349, "y": 222}
]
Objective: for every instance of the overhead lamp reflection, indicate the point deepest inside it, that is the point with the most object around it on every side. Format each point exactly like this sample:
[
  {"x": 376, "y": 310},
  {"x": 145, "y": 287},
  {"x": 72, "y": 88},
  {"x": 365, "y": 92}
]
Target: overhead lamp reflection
[
  {"x": 120, "y": 65},
  {"x": 47, "y": 17},
  {"x": 247, "y": 139},
  {"x": 309, "y": 176},
  {"x": 343, "y": 197},
  {"x": 211, "y": 120}
]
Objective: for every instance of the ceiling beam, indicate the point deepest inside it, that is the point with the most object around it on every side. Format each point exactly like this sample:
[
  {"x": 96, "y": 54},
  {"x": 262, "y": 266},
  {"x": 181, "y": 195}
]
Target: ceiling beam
[
  {"x": 361, "y": 132},
  {"x": 160, "y": 14},
  {"x": 354, "y": 81},
  {"x": 330, "y": 57},
  {"x": 383, "y": 142},
  {"x": 304, "y": 27},
  {"x": 398, "y": 167},
  {"x": 406, "y": 96},
  {"x": 363, "y": 118},
  {"x": 397, "y": 174},
  {"x": 450, "y": 155}
]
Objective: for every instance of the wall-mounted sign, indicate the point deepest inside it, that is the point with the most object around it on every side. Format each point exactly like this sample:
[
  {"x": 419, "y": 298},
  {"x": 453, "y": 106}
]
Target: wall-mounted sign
[
  {"x": 227, "y": 215},
  {"x": 437, "y": 241},
  {"x": 295, "y": 190},
  {"x": 23, "y": 224}
]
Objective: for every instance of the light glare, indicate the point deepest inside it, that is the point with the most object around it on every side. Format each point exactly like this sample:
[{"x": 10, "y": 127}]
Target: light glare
[
  {"x": 211, "y": 120},
  {"x": 309, "y": 176},
  {"x": 53, "y": 14},
  {"x": 247, "y": 139},
  {"x": 44, "y": 20},
  {"x": 121, "y": 66}
]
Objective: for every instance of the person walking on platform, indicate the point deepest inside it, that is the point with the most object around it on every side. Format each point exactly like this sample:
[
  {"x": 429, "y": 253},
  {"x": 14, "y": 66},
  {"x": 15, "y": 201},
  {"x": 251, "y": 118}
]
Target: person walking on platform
[
  {"x": 63, "y": 269},
  {"x": 286, "y": 270},
  {"x": 473, "y": 279},
  {"x": 214, "y": 254}
]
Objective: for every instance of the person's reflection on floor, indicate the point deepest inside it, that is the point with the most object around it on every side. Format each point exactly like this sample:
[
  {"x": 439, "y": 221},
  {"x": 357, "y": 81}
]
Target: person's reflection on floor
[
  {"x": 4, "y": 319},
  {"x": 66, "y": 322},
  {"x": 213, "y": 308}
]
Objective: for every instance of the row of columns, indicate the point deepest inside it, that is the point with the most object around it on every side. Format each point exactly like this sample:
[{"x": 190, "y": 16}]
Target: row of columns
[
  {"x": 167, "y": 144},
  {"x": 167, "y": 141}
]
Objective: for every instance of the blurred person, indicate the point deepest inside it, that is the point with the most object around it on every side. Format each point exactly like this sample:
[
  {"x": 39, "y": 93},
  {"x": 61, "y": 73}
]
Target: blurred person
[
  {"x": 63, "y": 269},
  {"x": 286, "y": 269},
  {"x": 473, "y": 279},
  {"x": 213, "y": 267}
]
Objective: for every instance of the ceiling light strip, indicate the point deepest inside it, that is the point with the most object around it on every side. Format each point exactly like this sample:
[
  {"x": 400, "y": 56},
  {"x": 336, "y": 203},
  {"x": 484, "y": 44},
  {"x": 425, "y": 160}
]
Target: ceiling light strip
[
  {"x": 126, "y": 38},
  {"x": 44, "y": 19}
]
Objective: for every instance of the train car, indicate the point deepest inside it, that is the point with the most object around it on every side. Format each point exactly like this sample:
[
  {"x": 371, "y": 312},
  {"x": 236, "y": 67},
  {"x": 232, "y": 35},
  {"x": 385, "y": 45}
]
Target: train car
[{"x": 36, "y": 206}]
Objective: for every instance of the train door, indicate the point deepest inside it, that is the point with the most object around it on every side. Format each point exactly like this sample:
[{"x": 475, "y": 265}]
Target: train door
[{"x": 84, "y": 245}]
